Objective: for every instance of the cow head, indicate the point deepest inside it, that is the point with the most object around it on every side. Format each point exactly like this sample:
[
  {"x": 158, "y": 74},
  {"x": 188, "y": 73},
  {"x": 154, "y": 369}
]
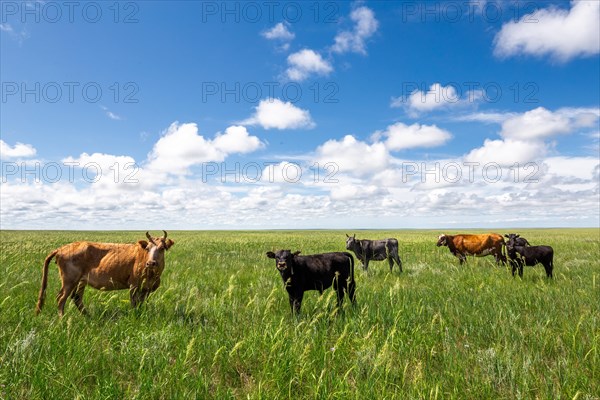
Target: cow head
[
  {"x": 156, "y": 249},
  {"x": 350, "y": 242},
  {"x": 284, "y": 259},
  {"x": 442, "y": 240},
  {"x": 515, "y": 240}
]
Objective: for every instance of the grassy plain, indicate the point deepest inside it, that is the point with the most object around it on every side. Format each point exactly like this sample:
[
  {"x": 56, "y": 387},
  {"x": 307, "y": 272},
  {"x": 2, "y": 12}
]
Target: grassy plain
[{"x": 220, "y": 325}]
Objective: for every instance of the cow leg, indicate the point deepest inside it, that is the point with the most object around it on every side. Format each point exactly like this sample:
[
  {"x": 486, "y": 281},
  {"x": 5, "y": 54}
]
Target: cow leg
[
  {"x": 134, "y": 296},
  {"x": 398, "y": 261},
  {"x": 520, "y": 265},
  {"x": 461, "y": 258},
  {"x": 499, "y": 258},
  {"x": 391, "y": 261},
  {"x": 65, "y": 291},
  {"x": 144, "y": 293},
  {"x": 366, "y": 264},
  {"x": 296, "y": 302},
  {"x": 339, "y": 288},
  {"x": 351, "y": 288},
  {"x": 548, "y": 268},
  {"x": 77, "y": 297}
]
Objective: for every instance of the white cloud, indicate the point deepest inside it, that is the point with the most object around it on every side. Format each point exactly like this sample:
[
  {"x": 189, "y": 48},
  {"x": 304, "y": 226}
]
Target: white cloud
[
  {"x": 111, "y": 114},
  {"x": 353, "y": 192},
  {"x": 182, "y": 147},
  {"x": 279, "y": 32},
  {"x": 283, "y": 172},
  {"x": 507, "y": 152},
  {"x": 365, "y": 25},
  {"x": 19, "y": 150},
  {"x": 274, "y": 113},
  {"x": 487, "y": 117},
  {"x": 306, "y": 62},
  {"x": 437, "y": 97},
  {"x": 18, "y": 36},
  {"x": 541, "y": 123},
  {"x": 236, "y": 139},
  {"x": 562, "y": 34},
  {"x": 400, "y": 136},
  {"x": 353, "y": 156},
  {"x": 577, "y": 167}
]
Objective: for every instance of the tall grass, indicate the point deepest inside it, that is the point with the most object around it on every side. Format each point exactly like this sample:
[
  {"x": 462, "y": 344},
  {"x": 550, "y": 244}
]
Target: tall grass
[{"x": 220, "y": 325}]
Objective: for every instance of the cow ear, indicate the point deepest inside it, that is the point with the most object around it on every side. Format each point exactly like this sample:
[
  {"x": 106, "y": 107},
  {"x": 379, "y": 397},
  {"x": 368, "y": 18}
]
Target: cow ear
[
  {"x": 347, "y": 235},
  {"x": 168, "y": 244},
  {"x": 506, "y": 236},
  {"x": 270, "y": 254},
  {"x": 143, "y": 244},
  {"x": 517, "y": 236},
  {"x": 296, "y": 253}
]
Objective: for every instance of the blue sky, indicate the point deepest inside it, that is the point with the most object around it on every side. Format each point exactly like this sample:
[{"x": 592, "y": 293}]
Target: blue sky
[{"x": 379, "y": 91}]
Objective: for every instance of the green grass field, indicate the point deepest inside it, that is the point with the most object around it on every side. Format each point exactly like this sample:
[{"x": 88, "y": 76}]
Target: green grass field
[{"x": 220, "y": 325}]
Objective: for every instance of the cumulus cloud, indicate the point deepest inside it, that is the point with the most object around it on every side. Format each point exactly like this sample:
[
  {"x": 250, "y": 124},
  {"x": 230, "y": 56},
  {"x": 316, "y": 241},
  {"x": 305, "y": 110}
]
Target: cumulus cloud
[
  {"x": 365, "y": 25},
  {"x": 437, "y": 97},
  {"x": 279, "y": 32},
  {"x": 182, "y": 147},
  {"x": 306, "y": 62},
  {"x": 400, "y": 136},
  {"x": 19, "y": 150},
  {"x": 274, "y": 113},
  {"x": 561, "y": 34},
  {"x": 354, "y": 156},
  {"x": 541, "y": 123},
  {"x": 507, "y": 152}
]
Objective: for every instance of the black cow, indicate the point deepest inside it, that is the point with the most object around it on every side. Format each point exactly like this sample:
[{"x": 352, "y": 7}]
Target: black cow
[
  {"x": 376, "y": 250},
  {"x": 529, "y": 255},
  {"x": 315, "y": 272},
  {"x": 519, "y": 241}
]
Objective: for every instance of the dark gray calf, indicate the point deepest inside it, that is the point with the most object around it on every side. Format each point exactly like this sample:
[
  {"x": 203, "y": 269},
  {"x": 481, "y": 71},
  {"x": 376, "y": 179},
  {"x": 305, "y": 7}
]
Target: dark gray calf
[
  {"x": 519, "y": 241},
  {"x": 529, "y": 255},
  {"x": 376, "y": 250},
  {"x": 315, "y": 272}
]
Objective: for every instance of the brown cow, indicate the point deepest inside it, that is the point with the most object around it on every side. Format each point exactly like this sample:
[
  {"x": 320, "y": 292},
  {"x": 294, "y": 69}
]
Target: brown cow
[
  {"x": 474, "y": 245},
  {"x": 107, "y": 266}
]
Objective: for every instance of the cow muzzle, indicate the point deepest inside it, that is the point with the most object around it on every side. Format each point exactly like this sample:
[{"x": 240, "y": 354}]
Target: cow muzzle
[
  {"x": 151, "y": 263},
  {"x": 281, "y": 266}
]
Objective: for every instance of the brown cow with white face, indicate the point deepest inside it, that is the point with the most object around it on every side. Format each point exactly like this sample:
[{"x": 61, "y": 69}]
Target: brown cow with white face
[
  {"x": 107, "y": 266},
  {"x": 474, "y": 245}
]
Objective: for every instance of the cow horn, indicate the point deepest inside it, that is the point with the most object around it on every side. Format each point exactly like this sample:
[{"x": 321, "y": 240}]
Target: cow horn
[
  {"x": 150, "y": 238},
  {"x": 165, "y": 235}
]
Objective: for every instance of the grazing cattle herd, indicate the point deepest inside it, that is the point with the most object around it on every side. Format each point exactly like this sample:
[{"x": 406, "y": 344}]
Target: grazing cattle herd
[{"x": 138, "y": 267}]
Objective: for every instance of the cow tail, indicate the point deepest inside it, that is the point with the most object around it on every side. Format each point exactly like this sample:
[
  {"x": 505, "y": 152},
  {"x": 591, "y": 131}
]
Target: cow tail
[
  {"x": 351, "y": 286},
  {"x": 42, "y": 295}
]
